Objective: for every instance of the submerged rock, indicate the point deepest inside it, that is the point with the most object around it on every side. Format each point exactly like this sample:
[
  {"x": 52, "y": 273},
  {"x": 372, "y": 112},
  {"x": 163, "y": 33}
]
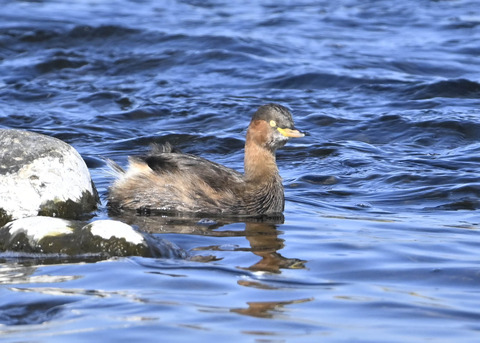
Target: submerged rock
[
  {"x": 101, "y": 238},
  {"x": 42, "y": 175}
]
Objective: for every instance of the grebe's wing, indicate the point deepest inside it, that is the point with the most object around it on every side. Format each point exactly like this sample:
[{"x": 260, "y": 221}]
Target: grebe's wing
[{"x": 217, "y": 176}]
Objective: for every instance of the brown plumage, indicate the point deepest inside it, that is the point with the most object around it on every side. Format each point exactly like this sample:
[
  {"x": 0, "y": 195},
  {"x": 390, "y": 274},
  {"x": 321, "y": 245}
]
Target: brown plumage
[{"x": 171, "y": 181}]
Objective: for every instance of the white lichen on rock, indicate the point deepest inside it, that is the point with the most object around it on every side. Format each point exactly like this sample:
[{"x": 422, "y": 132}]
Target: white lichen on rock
[
  {"x": 37, "y": 228},
  {"x": 112, "y": 228}
]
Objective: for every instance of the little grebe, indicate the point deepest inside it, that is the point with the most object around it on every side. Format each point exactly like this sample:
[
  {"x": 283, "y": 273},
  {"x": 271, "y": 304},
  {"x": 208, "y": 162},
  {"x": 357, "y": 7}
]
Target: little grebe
[{"x": 171, "y": 181}]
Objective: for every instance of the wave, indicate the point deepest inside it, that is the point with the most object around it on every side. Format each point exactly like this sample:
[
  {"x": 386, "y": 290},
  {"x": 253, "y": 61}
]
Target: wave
[
  {"x": 319, "y": 80},
  {"x": 455, "y": 88}
]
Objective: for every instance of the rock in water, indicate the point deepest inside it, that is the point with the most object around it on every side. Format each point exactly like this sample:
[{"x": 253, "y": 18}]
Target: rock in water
[
  {"x": 41, "y": 175},
  {"x": 39, "y": 236}
]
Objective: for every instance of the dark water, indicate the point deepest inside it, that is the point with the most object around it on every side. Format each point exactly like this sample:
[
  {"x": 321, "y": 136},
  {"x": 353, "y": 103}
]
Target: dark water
[{"x": 381, "y": 235}]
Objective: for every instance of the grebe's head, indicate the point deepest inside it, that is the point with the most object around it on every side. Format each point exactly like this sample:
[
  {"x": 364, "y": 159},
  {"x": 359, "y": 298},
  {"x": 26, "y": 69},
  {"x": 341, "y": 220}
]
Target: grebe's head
[{"x": 272, "y": 126}]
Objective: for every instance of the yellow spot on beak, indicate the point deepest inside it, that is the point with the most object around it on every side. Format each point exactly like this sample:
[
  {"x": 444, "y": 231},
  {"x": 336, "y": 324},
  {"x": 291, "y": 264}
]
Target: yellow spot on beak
[{"x": 290, "y": 132}]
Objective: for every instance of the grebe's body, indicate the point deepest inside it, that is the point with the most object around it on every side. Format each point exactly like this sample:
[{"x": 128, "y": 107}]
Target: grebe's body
[{"x": 171, "y": 181}]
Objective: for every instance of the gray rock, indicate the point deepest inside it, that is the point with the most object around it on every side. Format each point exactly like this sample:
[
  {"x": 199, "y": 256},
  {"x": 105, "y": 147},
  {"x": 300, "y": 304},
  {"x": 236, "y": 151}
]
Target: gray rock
[
  {"x": 102, "y": 239},
  {"x": 41, "y": 175}
]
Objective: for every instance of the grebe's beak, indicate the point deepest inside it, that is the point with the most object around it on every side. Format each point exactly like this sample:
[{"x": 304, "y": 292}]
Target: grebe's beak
[{"x": 292, "y": 133}]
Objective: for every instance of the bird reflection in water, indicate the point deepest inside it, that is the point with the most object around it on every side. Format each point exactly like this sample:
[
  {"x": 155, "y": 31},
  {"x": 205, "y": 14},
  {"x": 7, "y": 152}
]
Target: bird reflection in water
[
  {"x": 267, "y": 309},
  {"x": 261, "y": 233},
  {"x": 265, "y": 243}
]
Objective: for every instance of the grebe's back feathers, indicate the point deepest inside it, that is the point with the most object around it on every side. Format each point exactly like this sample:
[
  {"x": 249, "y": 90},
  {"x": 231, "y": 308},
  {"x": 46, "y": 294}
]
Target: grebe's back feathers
[
  {"x": 169, "y": 181},
  {"x": 167, "y": 159},
  {"x": 157, "y": 149}
]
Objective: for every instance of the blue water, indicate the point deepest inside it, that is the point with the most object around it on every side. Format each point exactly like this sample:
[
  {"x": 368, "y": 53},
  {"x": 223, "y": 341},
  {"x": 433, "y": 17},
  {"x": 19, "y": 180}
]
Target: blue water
[{"x": 381, "y": 234}]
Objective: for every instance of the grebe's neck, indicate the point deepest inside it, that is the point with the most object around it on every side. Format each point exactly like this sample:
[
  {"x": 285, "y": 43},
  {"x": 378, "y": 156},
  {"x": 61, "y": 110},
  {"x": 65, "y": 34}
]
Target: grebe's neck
[
  {"x": 264, "y": 189},
  {"x": 259, "y": 162}
]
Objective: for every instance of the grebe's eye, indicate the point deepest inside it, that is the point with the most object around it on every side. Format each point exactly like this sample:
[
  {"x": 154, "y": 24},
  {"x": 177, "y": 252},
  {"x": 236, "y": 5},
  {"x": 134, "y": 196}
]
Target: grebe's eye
[{"x": 273, "y": 123}]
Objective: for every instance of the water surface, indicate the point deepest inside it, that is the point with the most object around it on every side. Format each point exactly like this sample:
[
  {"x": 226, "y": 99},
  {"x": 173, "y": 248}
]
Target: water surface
[{"x": 381, "y": 233}]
